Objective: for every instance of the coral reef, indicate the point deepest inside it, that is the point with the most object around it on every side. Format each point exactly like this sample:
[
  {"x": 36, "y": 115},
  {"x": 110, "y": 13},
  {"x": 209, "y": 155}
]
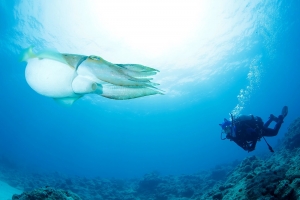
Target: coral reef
[
  {"x": 46, "y": 193},
  {"x": 292, "y": 137},
  {"x": 274, "y": 177}
]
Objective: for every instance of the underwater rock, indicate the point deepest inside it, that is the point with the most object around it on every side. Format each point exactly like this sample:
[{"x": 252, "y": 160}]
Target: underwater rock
[
  {"x": 296, "y": 184},
  {"x": 284, "y": 190},
  {"x": 149, "y": 183},
  {"x": 218, "y": 174},
  {"x": 47, "y": 193},
  {"x": 275, "y": 176},
  {"x": 292, "y": 137}
]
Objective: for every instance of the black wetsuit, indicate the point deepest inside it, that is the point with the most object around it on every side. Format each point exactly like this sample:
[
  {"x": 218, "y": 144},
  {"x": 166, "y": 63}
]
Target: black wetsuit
[{"x": 249, "y": 129}]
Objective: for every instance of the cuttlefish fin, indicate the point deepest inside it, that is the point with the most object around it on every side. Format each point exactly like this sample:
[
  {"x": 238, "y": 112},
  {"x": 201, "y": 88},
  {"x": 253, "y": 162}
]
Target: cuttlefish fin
[
  {"x": 46, "y": 54},
  {"x": 27, "y": 54},
  {"x": 53, "y": 55},
  {"x": 67, "y": 101}
]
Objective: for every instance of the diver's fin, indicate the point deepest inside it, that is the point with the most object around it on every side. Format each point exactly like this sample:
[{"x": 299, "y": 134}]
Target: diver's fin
[
  {"x": 27, "y": 54},
  {"x": 68, "y": 101},
  {"x": 284, "y": 111}
]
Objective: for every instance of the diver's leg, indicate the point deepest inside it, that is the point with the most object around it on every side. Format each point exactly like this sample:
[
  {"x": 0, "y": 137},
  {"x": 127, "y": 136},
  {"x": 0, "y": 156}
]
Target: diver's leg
[
  {"x": 279, "y": 120},
  {"x": 273, "y": 132},
  {"x": 269, "y": 132},
  {"x": 278, "y": 124},
  {"x": 271, "y": 118}
]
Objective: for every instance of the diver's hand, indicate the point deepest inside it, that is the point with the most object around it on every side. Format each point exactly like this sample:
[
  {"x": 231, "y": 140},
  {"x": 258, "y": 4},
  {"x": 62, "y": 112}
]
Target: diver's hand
[
  {"x": 249, "y": 150},
  {"x": 251, "y": 147}
]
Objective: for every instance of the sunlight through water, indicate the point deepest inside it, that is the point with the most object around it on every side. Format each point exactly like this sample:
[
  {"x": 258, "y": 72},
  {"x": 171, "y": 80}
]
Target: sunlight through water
[
  {"x": 190, "y": 42},
  {"x": 214, "y": 58}
]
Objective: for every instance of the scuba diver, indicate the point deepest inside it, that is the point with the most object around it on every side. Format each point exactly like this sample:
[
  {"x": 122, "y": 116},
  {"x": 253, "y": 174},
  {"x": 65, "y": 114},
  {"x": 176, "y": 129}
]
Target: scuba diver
[{"x": 246, "y": 130}]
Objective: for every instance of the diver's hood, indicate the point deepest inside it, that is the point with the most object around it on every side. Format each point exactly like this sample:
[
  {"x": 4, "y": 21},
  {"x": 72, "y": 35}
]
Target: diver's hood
[{"x": 225, "y": 123}]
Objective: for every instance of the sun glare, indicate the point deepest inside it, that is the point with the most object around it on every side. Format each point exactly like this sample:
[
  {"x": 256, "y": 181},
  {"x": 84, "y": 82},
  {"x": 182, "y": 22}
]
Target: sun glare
[
  {"x": 189, "y": 41},
  {"x": 151, "y": 26}
]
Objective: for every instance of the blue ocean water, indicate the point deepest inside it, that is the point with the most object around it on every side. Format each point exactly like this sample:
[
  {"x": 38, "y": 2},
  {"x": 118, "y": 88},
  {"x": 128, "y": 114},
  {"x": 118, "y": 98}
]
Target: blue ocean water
[{"x": 239, "y": 57}]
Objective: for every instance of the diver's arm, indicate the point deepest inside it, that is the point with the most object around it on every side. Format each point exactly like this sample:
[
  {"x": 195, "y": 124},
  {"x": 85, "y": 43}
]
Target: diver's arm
[
  {"x": 242, "y": 143},
  {"x": 247, "y": 146},
  {"x": 253, "y": 141}
]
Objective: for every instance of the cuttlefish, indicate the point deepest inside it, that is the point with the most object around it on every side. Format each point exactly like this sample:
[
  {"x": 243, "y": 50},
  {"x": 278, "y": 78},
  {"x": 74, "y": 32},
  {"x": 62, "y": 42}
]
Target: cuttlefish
[{"x": 68, "y": 77}]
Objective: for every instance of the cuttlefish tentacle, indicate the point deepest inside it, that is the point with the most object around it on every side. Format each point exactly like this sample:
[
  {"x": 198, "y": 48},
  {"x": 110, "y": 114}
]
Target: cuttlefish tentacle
[
  {"x": 137, "y": 68},
  {"x": 138, "y": 74},
  {"x": 110, "y": 73},
  {"x": 126, "y": 92},
  {"x": 137, "y": 71}
]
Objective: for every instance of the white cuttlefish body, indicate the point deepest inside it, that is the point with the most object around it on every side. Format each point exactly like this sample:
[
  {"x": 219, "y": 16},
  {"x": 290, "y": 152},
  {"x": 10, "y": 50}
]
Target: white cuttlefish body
[{"x": 67, "y": 77}]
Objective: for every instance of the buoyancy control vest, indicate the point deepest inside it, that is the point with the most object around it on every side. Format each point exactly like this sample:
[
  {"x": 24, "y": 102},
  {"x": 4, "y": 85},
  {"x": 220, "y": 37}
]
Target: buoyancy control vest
[{"x": 245, "y": 122}]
